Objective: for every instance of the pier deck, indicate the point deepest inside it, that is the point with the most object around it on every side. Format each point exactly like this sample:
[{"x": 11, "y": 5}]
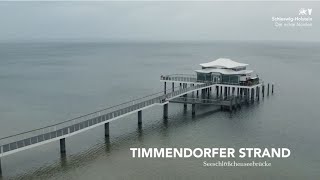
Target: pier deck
[
  {"x": 211, "y": 101},
  {"x": 36, "y": 137}
]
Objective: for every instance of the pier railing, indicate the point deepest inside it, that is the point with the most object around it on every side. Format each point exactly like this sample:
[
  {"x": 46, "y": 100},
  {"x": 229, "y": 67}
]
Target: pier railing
[
  {"x": 68, "y": 127},
  {"x": 180, "y": 77},
  {"x": 193, "y": 79}
]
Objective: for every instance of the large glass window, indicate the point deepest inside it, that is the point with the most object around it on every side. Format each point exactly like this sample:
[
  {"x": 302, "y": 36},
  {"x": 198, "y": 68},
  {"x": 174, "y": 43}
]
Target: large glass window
[
  {"x": 204, "y": 77},
  {"x": 232, "y": 79}
]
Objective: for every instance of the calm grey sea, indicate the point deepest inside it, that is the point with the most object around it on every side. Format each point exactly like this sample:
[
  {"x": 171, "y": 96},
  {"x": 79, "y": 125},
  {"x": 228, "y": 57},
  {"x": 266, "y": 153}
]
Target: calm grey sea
[{"x": 45, "y": 83}]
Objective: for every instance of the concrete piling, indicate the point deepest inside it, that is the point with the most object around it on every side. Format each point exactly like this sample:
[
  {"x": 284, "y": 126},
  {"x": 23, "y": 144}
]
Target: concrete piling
[
  {"x": 252, "y": 94},
  {"x": 172, "y": 86},
  {"x": 63, "y": 145},
  {"x": 268, "y": 89},
  {"x": 140, "y": 117},
  {"x": 193, "y": 109},
  {"x": 185, "y": 104},
  {"x": 263, "y": 90},
  {"x": 165, "y": 87},
  {"x": 217, "y": 91},
  {"x": 247, "y": 95},
  {"x": 106, "y": 129},
  {"x": 258, "y": 93},
  {"x": 272, "y": 88},
  {"x": 238, "y": 101},
  {"x": 165, "y": 111},
  {"x": 0, "y": 168}
]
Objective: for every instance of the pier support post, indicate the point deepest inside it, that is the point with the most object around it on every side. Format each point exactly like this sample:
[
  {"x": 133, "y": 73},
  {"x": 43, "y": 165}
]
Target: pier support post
[
  {"x": 230, "y": 108},
  {"x": 246, "y": 94},
  {"x": 172, "y": 86},
  {"x": 217, "y": 91},
  {"x": 252, "y": 94},
  {"x": 193, "y": 109},
  {"x": 63, "y": 145},
  {"x": 258, "y": 93},
  {"x": 185, "y": 106},
  {"x": 238, "y": 104},
  {"x": 165, "y": 87},
  {"x": 165, "y": 111},
  {"x": 106, "y": 129},
  {"x": 263, "y": 90},
  {"x": 0, "y": 168},
  {"x": 140, "y": 117},
  {"x": 268, "y": 89},
  {"x": 272, "y": 88}
]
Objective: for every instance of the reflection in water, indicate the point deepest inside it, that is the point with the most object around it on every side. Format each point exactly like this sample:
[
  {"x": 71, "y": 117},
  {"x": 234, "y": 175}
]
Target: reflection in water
[
  {"x": 0, "y": 170},
  {"x": 63, "y": 160},
  {"x": 107, "y": 144},
  {"x": 140, "y": 133}
]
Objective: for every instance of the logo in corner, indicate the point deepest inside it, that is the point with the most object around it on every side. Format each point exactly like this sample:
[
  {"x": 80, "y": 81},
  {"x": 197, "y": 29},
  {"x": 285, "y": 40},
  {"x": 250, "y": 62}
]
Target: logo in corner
[{"x": 302, "y": 11}]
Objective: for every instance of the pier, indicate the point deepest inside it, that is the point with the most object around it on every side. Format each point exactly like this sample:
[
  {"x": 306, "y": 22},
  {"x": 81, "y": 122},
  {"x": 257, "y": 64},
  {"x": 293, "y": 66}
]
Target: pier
[{"x": 186, "y": 89}]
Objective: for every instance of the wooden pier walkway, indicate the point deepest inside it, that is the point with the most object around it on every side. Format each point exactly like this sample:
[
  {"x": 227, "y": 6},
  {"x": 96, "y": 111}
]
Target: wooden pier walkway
[{"x": 59, "y": 131}]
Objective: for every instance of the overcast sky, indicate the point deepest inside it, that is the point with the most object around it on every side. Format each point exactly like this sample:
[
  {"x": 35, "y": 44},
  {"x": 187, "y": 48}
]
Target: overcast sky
[{"x": 143, "y": 21}]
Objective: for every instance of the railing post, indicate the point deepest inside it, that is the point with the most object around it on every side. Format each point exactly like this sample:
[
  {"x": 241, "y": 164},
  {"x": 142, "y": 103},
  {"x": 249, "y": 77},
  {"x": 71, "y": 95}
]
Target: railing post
[{"x": 63, "y": 145}]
